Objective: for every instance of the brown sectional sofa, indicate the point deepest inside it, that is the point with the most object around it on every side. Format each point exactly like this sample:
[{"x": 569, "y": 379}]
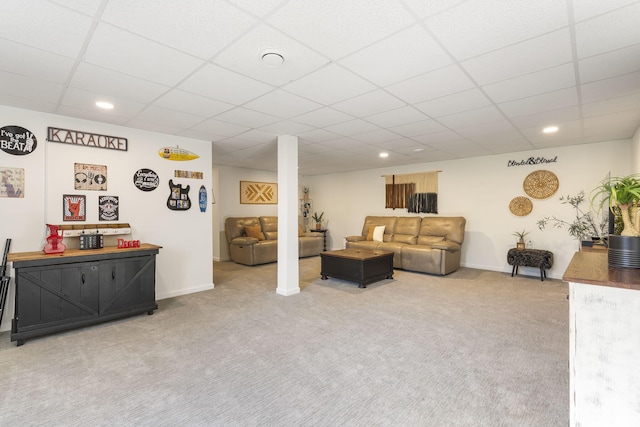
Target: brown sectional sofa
[
  {"x": 430, "y": 244},
  {"x": 252, "y": 251}
]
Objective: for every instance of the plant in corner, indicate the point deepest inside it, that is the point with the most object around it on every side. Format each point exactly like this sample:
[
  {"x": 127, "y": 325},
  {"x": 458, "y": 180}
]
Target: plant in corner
[
  {"x": 318, "y": 219},
  {"x": 520, "y": 235},
  {"x": 585, "y": 224},
  {"x": 623, "y": 195}
]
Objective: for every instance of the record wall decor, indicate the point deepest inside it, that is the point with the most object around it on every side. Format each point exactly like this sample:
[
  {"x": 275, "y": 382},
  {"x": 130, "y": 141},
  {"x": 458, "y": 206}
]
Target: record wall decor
[
  {"x": 541, "y": 184},
  {"x": 146, "y": 180}
]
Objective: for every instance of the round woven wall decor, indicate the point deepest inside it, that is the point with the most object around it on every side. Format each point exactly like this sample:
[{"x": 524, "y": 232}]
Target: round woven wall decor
[
  {"x": 521, "y": 206},
  {"x": 541, "y": 184}
]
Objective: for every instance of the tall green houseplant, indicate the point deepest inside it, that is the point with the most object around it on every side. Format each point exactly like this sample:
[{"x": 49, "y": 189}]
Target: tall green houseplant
[{"x": 623, "y": 194}]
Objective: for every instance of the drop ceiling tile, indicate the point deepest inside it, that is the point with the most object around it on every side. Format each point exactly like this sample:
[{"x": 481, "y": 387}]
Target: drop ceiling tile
[
  {"x": 323, "y": 117},
  {"x": 85, "y": 100},
  {"x": 315, "y": 148},
  {"x": 521, "y": 58},
  {"x": 217, "y": 83},
  {"x": 480, "y": 130},
  {"x": 330, "y": 28},
  {"x": 142, "y": 58},
  {"x": 549, "y": 80},
  {"x": 258, "y": 8},
  {"x": 86, "y": 7},
  {"x": 286, "y": 127},
  {"x": 401, "y": 56},
  {"x": 438, "y": 138},
  {"x": 164, "y": 116},
  {"x": 607, "y": 32},
  {"x": 610, "y": 64},
  {"x": 539, "y": 103},
  {"x": 613, "y": 105},
  {"x": 472, "y": 118},
  {"x": 479, "y": 26},
  {"x": 96, "y": 116},
  {"x": 111, "y": 83},
  {"x": 317, "y": 135},
  {"x": 44, "y": 25},
  {"x": 282, "y": 104},
  {"x": 34, "y": 104},
  {"x": 202, "y": 28},
  {"x": 611, "y": 88},
  {"x": 547, "y": 118},
  {"x": 28, "y": 88},
  {"x": 191, "y": 103},
  {"x": 329, "y": 85},
  {"x": 28, "y": 61},
  {"x": 154, "y": 126},
  {"x": 456, "y": 103},
  {"x": 442, "y": 82},
  {"x": 585, "y": 9},
  {"x": 245, "y": 57},
  {"x": 376, "y": 136},
  {"x": 245, "y": 117},
  {"x": 370, "y": 103},
  {"x": 399, "y": 116},
  {"x": 352, "y": 127},
  {"x": 422, "y": 127},
  {"x": 257, "y": 135},
  {"x": 424, "y": 9},
  {"x": 217, "y": 127}
]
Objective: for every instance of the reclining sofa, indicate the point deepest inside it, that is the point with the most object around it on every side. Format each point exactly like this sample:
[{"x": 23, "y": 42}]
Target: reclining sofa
[
  {"x": 254, "y": 240},
  {"x": 425, "y": 244}
]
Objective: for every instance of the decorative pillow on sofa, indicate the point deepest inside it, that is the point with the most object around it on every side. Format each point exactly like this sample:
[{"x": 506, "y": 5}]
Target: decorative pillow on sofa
[
  {"x": 370, "y": 233},
  {"x": 254, "y": 231},
  {"x": 378, "y": 233},
  {"x": 300, "y": 232}
]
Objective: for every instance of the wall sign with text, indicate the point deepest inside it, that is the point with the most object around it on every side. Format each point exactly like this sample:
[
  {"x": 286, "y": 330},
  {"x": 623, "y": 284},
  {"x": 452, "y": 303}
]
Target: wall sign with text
[
  {"x": 17, "y": 140},
  {"x": 87, "y": 139}
]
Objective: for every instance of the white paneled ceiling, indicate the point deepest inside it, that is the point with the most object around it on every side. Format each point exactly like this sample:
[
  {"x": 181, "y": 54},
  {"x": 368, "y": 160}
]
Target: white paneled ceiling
[{"x": 421, "y": 80}]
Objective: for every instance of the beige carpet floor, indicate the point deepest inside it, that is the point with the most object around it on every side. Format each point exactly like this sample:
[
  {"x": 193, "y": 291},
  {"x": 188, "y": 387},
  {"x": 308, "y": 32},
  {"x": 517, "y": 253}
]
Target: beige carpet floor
[{"x": 475, "y": 348}]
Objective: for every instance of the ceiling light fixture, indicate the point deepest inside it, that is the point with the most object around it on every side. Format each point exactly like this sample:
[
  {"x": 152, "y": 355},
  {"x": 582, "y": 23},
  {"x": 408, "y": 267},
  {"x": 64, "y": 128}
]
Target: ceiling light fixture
[
  {"x": 550, "y": 129},
  {"x": 271, "y": 58},
  {"x": 105, "y": 105},
  {"x": 384, "y": 155}
]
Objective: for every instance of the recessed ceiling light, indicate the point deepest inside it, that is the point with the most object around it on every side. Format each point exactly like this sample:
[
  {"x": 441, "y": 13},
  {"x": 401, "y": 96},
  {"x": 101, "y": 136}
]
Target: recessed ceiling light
[
  {"x": 550, "y": 129},
  {"x": 418, "y": 149},
  {"x": 272, "y": 58},
  {"x": 105, "y": 105},
  {"x": 384, "y": 155}
]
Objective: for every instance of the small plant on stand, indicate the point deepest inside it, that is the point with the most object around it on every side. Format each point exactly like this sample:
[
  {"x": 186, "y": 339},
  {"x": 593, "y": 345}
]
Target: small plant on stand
[
  {"x": 318, "y": 219},
  {"x": 584, "y": 225},
  {"x": 520, "y": 244}
]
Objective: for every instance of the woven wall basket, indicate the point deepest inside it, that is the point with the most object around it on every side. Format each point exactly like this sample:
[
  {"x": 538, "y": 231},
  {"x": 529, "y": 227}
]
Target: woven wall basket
[
  {"x": 541, "y": 184},
  {"x": 521, "y": 206}
]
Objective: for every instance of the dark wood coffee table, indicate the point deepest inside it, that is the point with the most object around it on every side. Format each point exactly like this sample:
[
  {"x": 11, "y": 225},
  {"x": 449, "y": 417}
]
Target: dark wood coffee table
[{"x": 357, "y": 265}]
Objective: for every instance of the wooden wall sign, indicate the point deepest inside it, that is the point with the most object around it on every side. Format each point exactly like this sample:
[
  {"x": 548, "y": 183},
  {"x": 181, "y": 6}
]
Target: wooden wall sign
[
  {"x": 74, "y": 137},
  {"x": 258, "y": 193},
  {"x": 17, "y": 140}
]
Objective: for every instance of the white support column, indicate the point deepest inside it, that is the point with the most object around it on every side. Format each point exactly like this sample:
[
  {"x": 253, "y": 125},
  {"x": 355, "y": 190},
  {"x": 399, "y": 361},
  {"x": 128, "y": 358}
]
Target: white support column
[{"x": 288, "y": 268}]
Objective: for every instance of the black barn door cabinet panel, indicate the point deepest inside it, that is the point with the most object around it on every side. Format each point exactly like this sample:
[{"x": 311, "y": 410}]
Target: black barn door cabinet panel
[{"x": 80, "y": 288}]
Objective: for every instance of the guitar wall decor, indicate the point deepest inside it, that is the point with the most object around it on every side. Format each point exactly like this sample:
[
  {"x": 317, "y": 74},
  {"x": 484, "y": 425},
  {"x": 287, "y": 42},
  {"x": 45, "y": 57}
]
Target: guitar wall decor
[{"x": 178, "y": 197}]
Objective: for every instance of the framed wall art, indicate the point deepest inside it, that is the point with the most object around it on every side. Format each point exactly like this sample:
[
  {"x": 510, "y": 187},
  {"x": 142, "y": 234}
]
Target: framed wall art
[
  {"x": 258, "y": 193},
  {"x": 11, "y": 182},
  {"x": 74, "y": 207},
  {"x": 108, "y": 208},
  {"x": 89, "y": 177}
]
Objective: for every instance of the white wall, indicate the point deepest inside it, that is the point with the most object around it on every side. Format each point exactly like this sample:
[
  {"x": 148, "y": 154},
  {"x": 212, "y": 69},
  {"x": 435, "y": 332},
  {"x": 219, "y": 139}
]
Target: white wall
[
  {"x": 479, "y": 189},
  {"x": 229, "y": 202},
  {"x": 184, "y": 262},
  {"x": 635, "y": 152}
]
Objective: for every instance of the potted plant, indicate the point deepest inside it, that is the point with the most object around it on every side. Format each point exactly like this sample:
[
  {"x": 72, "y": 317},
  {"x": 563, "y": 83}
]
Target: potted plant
[
  {"x": 520, "y": 235},
  {"x": 318, "y": 219},
  {"x": 623, "y": 196},
  {"x": 584, "y": 225}
]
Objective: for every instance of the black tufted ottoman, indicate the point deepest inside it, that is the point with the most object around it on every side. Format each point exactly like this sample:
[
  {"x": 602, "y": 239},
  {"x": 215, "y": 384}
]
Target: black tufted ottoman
[{"x": 530, "y": 258}]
